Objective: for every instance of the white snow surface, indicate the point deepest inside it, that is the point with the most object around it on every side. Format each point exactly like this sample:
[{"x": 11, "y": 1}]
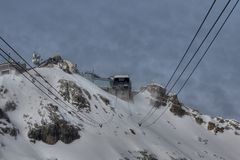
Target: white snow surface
[{"x": 171, "y": 138}]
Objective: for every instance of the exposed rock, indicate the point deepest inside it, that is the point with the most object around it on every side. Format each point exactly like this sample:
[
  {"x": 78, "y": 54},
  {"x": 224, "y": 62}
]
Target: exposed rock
[
  {"x": 3, "y": 90},
  {"x": 68, "y": 67},
  {"x": 12, "y": 131},
  {"x": 174, "y": 99},
  {"x": 211, "y": 126},
  {"x": 52, "y": 61},
  {"x": 10, "y": 106},
  {"x": 220, "y": 120},
  {"x": 132, "y": 131},
  {"x": 139, "y": 155},
  {"x": 65, "y": 65},
  {"x": 147, "y": 156},
  {"x": 7, "y": 127},
  {"x": 52, "y": 107},
  {"x": 158, "y": 93},
  {"x": 53, "y": 132},
  {"x": 3, "y": 115},
  {"x": 178, "y": 110},
  {"x": 74, "y": 94},
  {"x": 235, "y": 124},
  {"x": 199, "y": 120},
  {"x": 68, "y": 133},
  {"x": 53, "y": 112},
  {"x": 176, "y": 107},
  {"x": 219, "y": 129}
]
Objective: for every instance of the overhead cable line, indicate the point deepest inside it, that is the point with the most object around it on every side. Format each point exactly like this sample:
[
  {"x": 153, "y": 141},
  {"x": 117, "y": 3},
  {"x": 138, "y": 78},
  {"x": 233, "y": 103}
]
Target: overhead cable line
[
  {"x": 19, "y": 65},
  {"x": 31, "y": 81},
  {"x": 150, "y": 113},
  {"x": 193, "y": 56},
  {"x": 44, "y": 78},
  {"x": 229, "y": 14},
  {"x": 189, "y": 46},
  {"x": 206, "y": 51},
  {"x": 145, "y": 117}
]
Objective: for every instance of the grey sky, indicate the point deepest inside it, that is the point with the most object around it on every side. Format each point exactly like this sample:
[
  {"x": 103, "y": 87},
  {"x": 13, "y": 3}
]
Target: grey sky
[{"x": 143, "y": 38}]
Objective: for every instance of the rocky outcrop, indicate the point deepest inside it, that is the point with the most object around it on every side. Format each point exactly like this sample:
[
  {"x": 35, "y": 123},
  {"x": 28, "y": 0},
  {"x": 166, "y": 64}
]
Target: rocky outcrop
[
  {"x": 5, "y": 125},
  {"x": 215, "y": 127},
  {"x": 158, "y": 94},
  {"x": 65, "y": 65},
  {"x": 211, "y": 126},
  {"x": 178, "y": 110},
  {"x": 177, "y": 107},
  {"x": 174, "y": 99},
  {"x": 199, "y": 120},
  {"x": 74, "y": 94},
  {"x": 219, "y": 130},
  {"x": 10, "y": 106},
  {"x": 51, "y": 133}
]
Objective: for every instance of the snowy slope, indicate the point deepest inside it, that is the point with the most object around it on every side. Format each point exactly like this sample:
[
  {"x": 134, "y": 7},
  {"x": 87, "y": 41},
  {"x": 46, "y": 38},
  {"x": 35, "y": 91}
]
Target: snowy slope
[{"x": 120, "y": 138}]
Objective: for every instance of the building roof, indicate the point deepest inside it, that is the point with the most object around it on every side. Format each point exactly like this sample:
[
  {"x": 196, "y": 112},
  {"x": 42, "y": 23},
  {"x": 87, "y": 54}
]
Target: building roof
[{"x": 121, "y": 76}]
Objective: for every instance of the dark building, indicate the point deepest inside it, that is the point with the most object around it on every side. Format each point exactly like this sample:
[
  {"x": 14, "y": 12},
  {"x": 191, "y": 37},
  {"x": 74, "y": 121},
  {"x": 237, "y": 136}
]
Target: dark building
[
  {"x": 118, "y": 85},
  {"x": 121, "y": 87}
]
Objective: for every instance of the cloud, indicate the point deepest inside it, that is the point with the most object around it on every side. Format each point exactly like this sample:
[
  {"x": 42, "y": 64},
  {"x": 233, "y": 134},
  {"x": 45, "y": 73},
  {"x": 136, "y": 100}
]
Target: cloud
[{"x": 142, "y": 38}]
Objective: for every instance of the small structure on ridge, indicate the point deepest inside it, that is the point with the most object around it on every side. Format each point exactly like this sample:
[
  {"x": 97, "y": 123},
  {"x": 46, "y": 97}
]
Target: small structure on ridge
[{"x": 12, "y": 68}]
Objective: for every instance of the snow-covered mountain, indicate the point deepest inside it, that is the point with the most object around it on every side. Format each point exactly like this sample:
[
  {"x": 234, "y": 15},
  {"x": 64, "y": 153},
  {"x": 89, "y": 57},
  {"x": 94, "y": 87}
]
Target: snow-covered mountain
[{"x": 91, "y": 124}]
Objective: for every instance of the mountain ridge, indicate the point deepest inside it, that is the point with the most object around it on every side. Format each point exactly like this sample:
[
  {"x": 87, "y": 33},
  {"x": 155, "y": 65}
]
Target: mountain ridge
[{"x": 100, "y": 126}]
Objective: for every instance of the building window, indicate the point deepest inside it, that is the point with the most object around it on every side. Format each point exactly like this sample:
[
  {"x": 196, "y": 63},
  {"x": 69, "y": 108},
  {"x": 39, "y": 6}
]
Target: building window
[{"x": 5, "y": 72}]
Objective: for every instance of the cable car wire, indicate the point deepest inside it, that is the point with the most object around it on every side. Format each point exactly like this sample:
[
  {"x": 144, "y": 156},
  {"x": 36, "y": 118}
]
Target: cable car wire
[
  {"x": 195, "y": 53},
  {"x": 206, "y": 51},
  {"x": 100, "y": 124},
  {"x": 190, "y": 60},
  {"x": 189, "y": 46},
  {"x": 75, "y": 112},
  {"x": 18, "y": 69},
  {"x": 25, "y": 61}
]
